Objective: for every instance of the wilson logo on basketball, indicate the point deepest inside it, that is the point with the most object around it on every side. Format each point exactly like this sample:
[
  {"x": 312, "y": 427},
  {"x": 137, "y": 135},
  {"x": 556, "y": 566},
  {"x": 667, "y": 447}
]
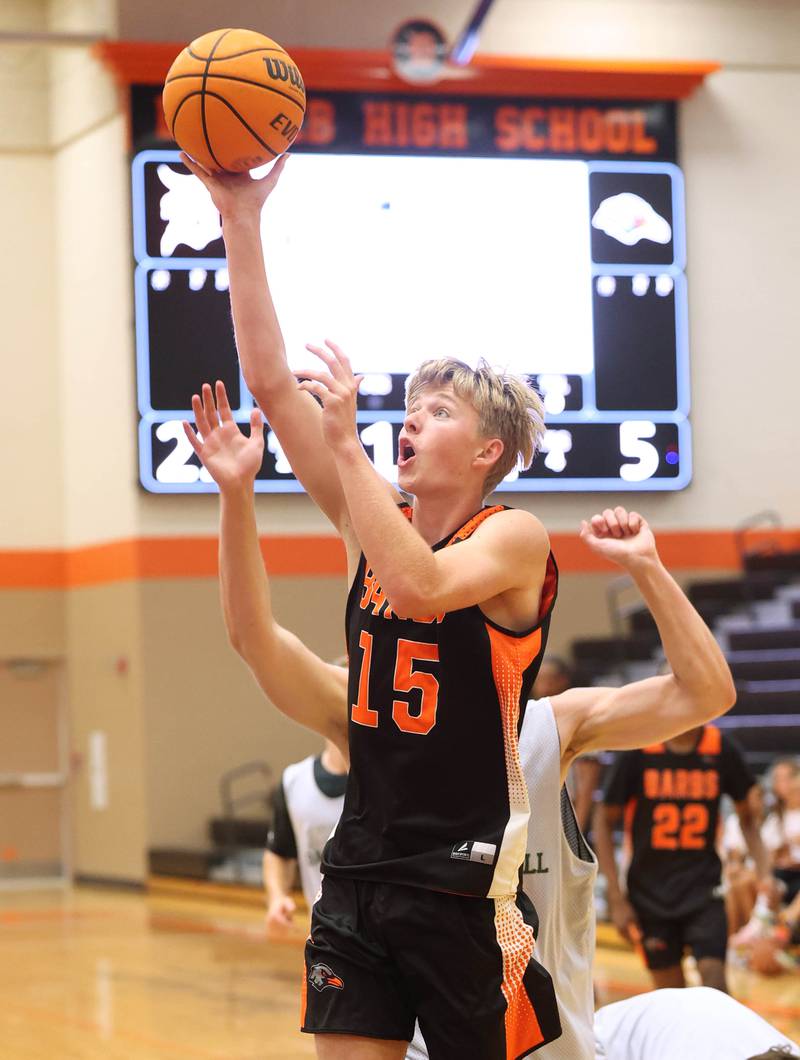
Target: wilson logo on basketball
[
  {"x": 321, "y": 977},
  {"x": 279, "y": 70}
]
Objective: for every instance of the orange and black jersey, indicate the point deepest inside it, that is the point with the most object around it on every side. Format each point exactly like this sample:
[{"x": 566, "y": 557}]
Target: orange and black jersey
[
  {"x": 671, "y": 806},
  {"x": 435, "y": 796}
]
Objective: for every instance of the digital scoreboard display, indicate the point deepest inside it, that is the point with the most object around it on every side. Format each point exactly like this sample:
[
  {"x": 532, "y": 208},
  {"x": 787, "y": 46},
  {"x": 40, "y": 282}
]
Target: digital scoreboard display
[{"x": 567, "y": 269}]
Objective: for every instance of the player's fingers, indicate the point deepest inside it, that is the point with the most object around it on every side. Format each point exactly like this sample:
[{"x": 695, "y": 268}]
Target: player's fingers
[
  {"x": 223, "y": 404},
  {"x": 316, "y": 389},
  {"x": 585, "y": 529},
  {"x": 622, "y": 518},
  {"x": 277, "y": 169},
  {"x": 599, "y": 526},
  {"x": 317, "y": 377},
  {"x": 334, "y": 363},
  {"x": 194, "y": 441},
  {"x": 194, "y": 167},
  {"x": 200, "y": 417},
  {"x": 256, "y": 425},
  {"x": 209, "y": 408},
  {"x": 321, "y": 352},
  {"x": 635, "y": 522},
  {"x": 612, "y": 522},
  {"x": 340, "y": 355}
]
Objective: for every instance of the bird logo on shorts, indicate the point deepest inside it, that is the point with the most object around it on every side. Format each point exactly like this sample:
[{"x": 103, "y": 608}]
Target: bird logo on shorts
[
  {"x": 654, "y": 944},
  {"x": 321, "y": 976}
]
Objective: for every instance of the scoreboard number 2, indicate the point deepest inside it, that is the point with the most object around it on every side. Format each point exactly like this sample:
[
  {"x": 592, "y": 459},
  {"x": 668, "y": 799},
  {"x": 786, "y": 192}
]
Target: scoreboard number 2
[{"x": 176, "y": 467}]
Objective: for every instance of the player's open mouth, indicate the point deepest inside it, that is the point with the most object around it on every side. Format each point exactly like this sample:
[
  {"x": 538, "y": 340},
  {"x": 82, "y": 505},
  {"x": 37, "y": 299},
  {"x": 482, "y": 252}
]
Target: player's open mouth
[{"x": 405, "y": 453}]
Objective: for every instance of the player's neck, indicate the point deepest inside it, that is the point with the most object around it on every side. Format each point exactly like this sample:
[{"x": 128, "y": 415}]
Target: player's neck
[
  {"x": 332, "y": 761},
  {"x": 686, "y": 743},
  {"x": 437, "y": 516}
]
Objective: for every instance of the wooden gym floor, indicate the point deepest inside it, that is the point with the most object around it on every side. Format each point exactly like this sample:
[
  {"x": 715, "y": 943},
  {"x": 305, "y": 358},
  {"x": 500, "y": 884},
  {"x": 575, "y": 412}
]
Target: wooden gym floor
[{"x": 88, "y": 974}]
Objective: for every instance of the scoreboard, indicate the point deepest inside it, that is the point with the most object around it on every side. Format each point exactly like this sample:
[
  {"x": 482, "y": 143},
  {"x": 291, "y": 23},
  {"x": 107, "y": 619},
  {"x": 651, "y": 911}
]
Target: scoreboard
[{"x": 560, "y": 259}]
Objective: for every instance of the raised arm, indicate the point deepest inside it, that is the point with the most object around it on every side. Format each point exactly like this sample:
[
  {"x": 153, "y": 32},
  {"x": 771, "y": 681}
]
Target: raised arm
[
  {"x": 700, "y": 686},
  {"x": 507, "y": 552},
  {"x": 292, "y": 414},
  {"x": 299, "y": 683}
]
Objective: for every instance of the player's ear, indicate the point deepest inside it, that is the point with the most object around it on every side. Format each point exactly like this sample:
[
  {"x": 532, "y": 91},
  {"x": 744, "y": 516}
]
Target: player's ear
[{"x": 491, "y": 452}]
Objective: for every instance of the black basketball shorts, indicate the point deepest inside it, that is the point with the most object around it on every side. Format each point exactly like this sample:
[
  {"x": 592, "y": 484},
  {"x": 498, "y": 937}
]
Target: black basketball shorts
[
  {"x": 704, "y": 932},
  {"x": 381, "y": 954}
]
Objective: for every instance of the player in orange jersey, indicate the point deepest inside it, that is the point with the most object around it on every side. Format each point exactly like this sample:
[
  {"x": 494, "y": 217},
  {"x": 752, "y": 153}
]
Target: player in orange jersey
[
  {"x": 447, "y": 622},
  {"x": 559, "y": 870},
  {"x": 669, "y": 794}
]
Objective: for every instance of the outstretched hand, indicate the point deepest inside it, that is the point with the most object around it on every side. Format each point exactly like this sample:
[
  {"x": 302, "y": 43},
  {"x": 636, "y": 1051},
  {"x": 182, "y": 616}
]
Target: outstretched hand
[
  {"x": 620, "y": 536},
  {"x": 337, "y": 389},
  {"x": 232, "y": 192},
  {"x": 231, "y": 457}
]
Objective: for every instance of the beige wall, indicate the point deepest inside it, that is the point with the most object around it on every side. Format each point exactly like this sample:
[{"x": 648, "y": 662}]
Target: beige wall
[
  {"x": 104, "y": 630},
  {"x": 204, "y": 712},
  {"x": 186, "y": 710}
]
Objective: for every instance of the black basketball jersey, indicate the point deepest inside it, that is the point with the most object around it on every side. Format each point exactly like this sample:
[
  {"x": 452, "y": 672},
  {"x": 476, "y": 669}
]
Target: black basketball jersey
[
  {"x": 435, "y": 796},
  {"x": 671, "y": 805}
]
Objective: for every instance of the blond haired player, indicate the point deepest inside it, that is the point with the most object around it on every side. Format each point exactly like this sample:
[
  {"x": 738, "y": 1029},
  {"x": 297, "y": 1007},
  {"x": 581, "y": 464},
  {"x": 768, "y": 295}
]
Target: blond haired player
[
  {"x": 447, "y": 622},
  {"x": 559, "y": 870}
]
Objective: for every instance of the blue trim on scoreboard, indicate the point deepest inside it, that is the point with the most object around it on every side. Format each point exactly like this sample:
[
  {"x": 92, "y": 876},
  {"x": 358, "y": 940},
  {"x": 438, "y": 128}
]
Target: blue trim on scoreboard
[{"x": 587, "y": 414}]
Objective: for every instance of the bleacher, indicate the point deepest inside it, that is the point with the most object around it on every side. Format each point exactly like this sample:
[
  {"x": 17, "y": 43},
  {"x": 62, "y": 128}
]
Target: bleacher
[{"x": 756, "y": 620}]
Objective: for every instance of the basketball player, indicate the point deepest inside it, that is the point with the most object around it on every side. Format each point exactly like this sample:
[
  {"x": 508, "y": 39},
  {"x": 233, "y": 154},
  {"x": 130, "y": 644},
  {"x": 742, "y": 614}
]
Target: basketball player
[
  {"x": 555, "y": 676},
  {"x": 670, "y": 795},
  {"x": 558, "y": 870},
  {"x": 447, "y": 622},
  {"x": 306, "y": 806},
  {"x": 698, "y": 1024}
]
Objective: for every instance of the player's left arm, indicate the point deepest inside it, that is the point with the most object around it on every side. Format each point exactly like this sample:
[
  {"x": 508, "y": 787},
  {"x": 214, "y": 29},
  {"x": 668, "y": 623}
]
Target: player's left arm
[
  {"x": 508, "y": 551},
  {"x": 700, "y": 686},
  {"x": 751, "y": 830}
]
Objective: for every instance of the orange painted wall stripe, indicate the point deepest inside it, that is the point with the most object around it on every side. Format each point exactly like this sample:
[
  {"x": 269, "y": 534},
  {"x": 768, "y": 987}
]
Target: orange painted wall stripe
[
  {"x": 328, "y": 69},
  {"x": 319, "y": 556}
]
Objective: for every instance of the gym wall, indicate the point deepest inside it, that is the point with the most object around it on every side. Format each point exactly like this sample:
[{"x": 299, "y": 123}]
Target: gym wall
[{"x": 147, "y": 659}]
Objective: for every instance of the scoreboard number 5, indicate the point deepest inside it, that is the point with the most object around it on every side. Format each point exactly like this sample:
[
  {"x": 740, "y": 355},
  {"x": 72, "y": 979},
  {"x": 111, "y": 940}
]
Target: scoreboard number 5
[{"x": 632, "y": 434}]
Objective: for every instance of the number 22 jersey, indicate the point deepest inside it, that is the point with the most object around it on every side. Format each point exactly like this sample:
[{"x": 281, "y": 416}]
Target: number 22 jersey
[
  {"x": 671, "y": 802},
  {"x": 435, "y": 795}
]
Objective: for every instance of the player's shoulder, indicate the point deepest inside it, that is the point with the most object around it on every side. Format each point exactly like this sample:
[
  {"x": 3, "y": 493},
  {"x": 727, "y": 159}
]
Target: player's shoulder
[
  {"x": 728, "y": 745},
  {"x": 515, "y": 525},
  {"x": 294, "y": 772}
]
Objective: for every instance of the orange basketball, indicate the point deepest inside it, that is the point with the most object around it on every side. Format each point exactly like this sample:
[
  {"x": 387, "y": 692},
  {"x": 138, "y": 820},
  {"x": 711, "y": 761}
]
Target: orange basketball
[{"x": 233, "y": 99}]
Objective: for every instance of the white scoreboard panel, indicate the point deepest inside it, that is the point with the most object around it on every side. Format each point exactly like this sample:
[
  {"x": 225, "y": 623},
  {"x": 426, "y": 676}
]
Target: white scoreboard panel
[{"x": 570, "y": 271}]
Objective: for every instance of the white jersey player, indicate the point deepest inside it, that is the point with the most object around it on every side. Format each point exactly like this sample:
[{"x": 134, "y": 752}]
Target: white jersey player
[
  {"x": 558, "y": 876},
  {"x": 695, "y": 1024},
  {"x": 306, "y": 807}
]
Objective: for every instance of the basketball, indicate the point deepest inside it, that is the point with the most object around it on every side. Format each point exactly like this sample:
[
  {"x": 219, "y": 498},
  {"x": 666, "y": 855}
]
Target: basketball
[{"x": 234, "y": 100}]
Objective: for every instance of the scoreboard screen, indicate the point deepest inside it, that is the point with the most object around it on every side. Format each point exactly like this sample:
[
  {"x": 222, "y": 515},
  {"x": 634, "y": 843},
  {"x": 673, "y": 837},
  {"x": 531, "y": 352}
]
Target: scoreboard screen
[{"x": 569, "y": 270}]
